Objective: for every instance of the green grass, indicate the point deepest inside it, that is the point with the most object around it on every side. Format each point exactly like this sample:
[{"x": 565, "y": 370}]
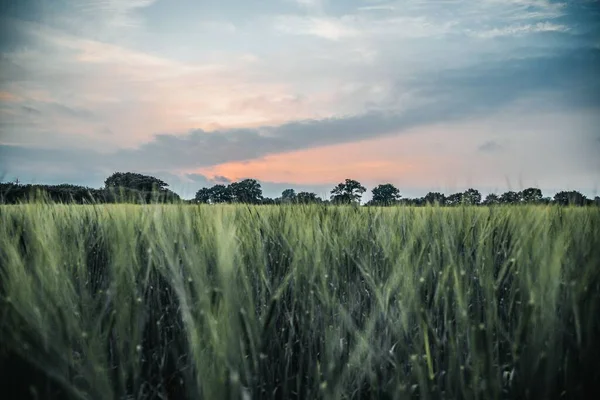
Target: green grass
[{"x": 240, "y": 302}]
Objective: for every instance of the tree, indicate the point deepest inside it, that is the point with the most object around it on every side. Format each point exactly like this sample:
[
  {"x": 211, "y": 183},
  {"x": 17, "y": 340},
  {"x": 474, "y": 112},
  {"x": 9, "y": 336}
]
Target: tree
[
  {"x": 307, "y": 198},
  {"x": 454, "y": 199},
  {"x": 572, "y": 198},
  {"x": 247, "y": 191},
  {"x": 510, "y": 197},
  {"x": 491, "y": 199},
  {"x": 221, "y": 194},
  {"x": 385, "y": 195},
  {"x": 347, "y": 192},
  {"x": 435, "y": 198},
  {"x": 471, "y": 197},
  {"x": 130, "y": 180},
  {"x": 531, "y": 195},
  {"x": 288, "y": 196},
  {"x": 203, "y": 196},
  {"x": 214, "y": 195}
]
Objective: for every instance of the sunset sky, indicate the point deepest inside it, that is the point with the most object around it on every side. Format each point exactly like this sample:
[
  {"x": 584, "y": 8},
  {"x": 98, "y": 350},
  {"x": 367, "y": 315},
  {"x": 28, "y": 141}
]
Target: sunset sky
[{"x": 428, "y": 95}]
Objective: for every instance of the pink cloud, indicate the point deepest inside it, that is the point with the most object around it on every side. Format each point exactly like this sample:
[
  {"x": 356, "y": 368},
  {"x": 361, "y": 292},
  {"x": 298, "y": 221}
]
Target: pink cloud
[{"x": 9, "y": 97}]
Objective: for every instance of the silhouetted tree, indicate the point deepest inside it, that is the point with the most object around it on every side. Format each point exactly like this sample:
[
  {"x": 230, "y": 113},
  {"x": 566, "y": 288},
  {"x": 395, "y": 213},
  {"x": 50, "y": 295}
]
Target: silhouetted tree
[
  {"x": 135, "y": 181},
  {"x": 471, "y": 197},
  {"x": 435, "y": 198},
  {"x": 350, "y": 191},
  {"x": 385, "y": 195},
  {"x": 307, "y": 198},
  {"x": 531, "y": 195},
  {"x": 491, "y": 199},
  {"x": 288, "y": 196},
  {"x": 510, "y": 197},
  {"x": 573, "y": 198},
  {"x": 454, "y": 199},
  {"x": 214, "y": 195},
  {"x": 247, "y": 191},
  {"x": 203, "y": 196}
]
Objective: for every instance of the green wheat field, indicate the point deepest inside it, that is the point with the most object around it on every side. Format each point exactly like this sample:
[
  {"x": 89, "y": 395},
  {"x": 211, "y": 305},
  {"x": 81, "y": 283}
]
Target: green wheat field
[{"x": 299, "y": 302}]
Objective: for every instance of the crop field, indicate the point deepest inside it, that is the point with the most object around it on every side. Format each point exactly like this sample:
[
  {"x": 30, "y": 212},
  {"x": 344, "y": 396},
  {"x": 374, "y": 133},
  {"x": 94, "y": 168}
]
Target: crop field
[{"x": 299, "y": 302}]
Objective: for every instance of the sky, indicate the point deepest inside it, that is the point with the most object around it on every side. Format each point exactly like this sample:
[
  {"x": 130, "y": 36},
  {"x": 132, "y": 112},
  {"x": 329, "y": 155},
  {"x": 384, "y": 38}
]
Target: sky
[{"x": 437, "y": 95}]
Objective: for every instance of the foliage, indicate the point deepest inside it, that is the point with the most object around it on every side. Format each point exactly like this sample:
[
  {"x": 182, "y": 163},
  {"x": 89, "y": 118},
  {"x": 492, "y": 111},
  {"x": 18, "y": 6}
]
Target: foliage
[
  {"x": 471, "y": 197},
  {"x": 570, "y": 198},
  {"x": 347, "y": 192},
  {"x": 214, "y": 195},
  {"x": 435, "y": 198},
  {"x": 247, "y": 191},
  {"x": 306, "y": 302},
  {"x": 491, "y": 199},
  {"x": 136, "y": 188},
  {"x": 385, "y": 195},
  {"x": 11, "y": 193},
  {"x": 288, "y": 196},
  {"x": 307, "y": 198},
  {"x": 130, "y": 180},
  {"x": 454, "y": 199},
  {"x": 510, "y": 197},
  {"x": 531, "y": 195}
]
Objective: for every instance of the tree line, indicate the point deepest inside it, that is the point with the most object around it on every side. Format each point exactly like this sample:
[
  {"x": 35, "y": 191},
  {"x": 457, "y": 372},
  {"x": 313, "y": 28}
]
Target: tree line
[
  {"x": 120, "y": 187},
  {"x": 351, "y": 191},
  {"x": 137, "y": 188}
]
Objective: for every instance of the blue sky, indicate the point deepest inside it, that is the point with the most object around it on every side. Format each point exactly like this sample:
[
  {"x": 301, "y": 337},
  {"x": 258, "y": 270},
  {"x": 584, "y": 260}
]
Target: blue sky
[{"x": 427, "y": 95}]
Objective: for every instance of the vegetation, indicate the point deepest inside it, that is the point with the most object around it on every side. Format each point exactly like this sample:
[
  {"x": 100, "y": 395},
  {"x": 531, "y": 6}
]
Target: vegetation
[
  {"x": 131, "y": 187},
  {"x": 299, "y": 302},
  {"x": 119, "y": 188}
]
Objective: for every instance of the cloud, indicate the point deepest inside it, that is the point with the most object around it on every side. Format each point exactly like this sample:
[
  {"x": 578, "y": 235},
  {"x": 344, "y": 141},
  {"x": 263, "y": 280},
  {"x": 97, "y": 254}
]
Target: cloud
[
  {"x": 450, "y": 96},
  {"x": 518, "y": 30},
  {"x": 326, "y": 28},
  {"x": 221, "y": 179},
  {"x": 422, "y": 158},
  {"x": 8, "y": 97},
  {"x": 490, "y": 146},
  {"x": 178, "y": 86},
  {"x": 31, "y": 110}
]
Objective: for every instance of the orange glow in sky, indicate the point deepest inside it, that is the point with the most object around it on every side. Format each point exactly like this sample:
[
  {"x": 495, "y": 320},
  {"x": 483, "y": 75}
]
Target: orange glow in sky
[{"x": 400, "y": 158}]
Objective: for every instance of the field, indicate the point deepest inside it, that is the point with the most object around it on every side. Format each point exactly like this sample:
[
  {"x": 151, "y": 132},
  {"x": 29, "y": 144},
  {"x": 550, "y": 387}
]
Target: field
[{"x": 306, "y": 302}]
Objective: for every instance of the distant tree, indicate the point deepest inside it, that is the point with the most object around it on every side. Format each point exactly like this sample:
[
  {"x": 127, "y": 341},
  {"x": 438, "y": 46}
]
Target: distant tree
[
  {"x": 454, "y": 199},
  {"x": 435, "y": 198},
  {"x": 385, "y": 195},
  {"x": 531, "y": 195},
  {"x": 307, "y": 198},
  {"x": 214, "y": 195},
  {"x": 247, "y": 191},
  {"x": 221, "y": 194},
  {"x": 491, "y": 199},
  {"x": 573, "y": 198},
  {"x": 288, "y": 196},
  {"x": 471, "y": 197},
  {"x": 510, "y": 197},
  {"x": 347, "y": 192},
  {"x": 268, "y": 201},
  {"x": 597, "y": 200},
  {"x": 203, "y": 196},
  {"x": 135, "y": 181}
]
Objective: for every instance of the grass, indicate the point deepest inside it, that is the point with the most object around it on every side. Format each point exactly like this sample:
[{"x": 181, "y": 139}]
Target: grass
[{"x": 307, "y": 302}]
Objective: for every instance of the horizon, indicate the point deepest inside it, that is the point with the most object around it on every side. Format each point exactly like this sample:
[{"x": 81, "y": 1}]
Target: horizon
[
  {"x": 496, "y": 95},
  {"x": 325, "y": 194}
]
